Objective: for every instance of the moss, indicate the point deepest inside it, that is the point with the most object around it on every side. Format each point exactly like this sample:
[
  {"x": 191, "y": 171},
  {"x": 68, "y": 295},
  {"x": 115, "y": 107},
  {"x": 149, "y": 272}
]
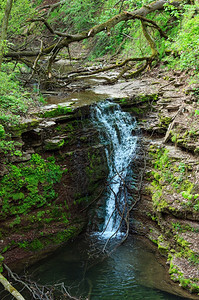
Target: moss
[
  {"x": 54, "y": 144},
  {"x": 153, "y": 240},
  {"x": 65, "y": 235},
  {"x": 2, "y": 131},
  {"x": 55, "y": 112},
  {"x": 196, "y": 151},
  {"x": 1, "y": 261},
  {"x": 164, "y": 122},
  {"x": 123, "y": 101},
  {"x": 27, "y": 125},
  {"x": 190, "y": 284},
  {"x": 146, "y": 98},
  {"x": 136, "y": 110},
  {"x": 163, "y": 248},
  {"x": 36, "y": 245},
  {"x": 29, "y": 185}
]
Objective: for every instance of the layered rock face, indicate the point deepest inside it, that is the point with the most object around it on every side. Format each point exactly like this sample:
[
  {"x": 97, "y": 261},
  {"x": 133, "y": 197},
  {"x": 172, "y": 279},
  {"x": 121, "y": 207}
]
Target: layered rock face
[
  {"x": 170, "y": 194},
  {"x": 61, "y": 169}
]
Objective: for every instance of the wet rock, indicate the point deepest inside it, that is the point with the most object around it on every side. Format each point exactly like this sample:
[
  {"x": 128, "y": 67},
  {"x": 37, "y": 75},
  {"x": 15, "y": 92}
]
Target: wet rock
[
  {"x": 24, "y": 157},
  {"x": 23, "y": 126},
  {"x": 53, "y": 144},
  {"x": 54, "y": 110},
  {"x": 46, "y": 124}
]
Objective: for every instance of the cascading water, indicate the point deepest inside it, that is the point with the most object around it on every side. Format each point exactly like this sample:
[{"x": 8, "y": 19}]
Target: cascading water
[{"x": 115, "y": 127}]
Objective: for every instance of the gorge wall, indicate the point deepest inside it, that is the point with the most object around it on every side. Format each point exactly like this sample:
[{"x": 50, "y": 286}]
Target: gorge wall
[
  {"x": 58, "y": 168},
  {"x": 62, "y": 139}
]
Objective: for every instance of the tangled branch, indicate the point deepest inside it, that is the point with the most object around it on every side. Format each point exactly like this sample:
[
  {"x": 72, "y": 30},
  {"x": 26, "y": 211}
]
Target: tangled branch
[
  {"x": 63, "y": 40},
  {"x": 37, "y": 291}
]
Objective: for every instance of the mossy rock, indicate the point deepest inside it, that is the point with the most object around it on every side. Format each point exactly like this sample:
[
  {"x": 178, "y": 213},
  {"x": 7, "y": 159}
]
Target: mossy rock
[
  {"x": 55, "y": 111},
  {"x": 26, "y": 125},
  {"x": 146, "y": 98},
  {"x": 54, "y": 144},
  {"x": 163, "y": 248},
  {"x": 164, "y": 122}
]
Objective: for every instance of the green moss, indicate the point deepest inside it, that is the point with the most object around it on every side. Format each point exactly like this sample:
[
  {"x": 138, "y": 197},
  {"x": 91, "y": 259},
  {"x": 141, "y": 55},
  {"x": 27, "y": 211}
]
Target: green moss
[
  {"x": 196, "y": 150},
  {"x": 54, "y": 144},
  {"x": 2, "y": 131},
  {"x": 190, "y": 284},
  {"x": 168, "y": 172},
  {"x": 28, "y": 124},
  {"x": 123, "y": 101},
  {"x": 36, "y": 245},
  {"x": 29, "y": 185},
  {"x": 1, "y": 261},
  {"x": 65, "y": 235},
  {"x": 146, "y": 98},
  {"x": 136, "y": 110},
  {"x": 164, "y": 121},
  {"x": 60, "y": 110}
]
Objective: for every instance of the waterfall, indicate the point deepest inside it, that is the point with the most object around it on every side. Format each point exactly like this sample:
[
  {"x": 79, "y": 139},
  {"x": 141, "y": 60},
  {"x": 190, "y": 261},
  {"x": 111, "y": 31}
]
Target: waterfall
[{"x": 115, "y": 127}]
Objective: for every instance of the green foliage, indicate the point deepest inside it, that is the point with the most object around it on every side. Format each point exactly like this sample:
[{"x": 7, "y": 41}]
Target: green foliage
[
  {"x": 29, "y": 185},
  {"x": 173, "y": 10},
  {"x": 186, "y": 42},
  {"x": 8, "y": 146},
  {"x": 1, "y": 261},
  {"x": 197, "y": 112},
  {"x": 78, "y": 15},
  {"x": 169, "y": 173},
  {"x": 16, "y": 221},
  {"x": 14, "y": 100},
  {"x": 2, "y": 131},
  {"x": 21, "y": 11}
]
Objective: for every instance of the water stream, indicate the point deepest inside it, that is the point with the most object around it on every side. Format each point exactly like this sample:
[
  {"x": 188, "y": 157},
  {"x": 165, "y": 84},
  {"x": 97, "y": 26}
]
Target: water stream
[{"x": 115, "y": 127}]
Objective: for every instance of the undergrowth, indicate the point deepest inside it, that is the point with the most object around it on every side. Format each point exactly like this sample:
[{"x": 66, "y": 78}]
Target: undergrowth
[
  {"x": 185, "y": 42},
  {"x": 15, "y": 101}
]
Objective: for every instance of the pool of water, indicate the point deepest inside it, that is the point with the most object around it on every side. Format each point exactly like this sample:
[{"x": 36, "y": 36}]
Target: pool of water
[{"x": 130, "y": 272}]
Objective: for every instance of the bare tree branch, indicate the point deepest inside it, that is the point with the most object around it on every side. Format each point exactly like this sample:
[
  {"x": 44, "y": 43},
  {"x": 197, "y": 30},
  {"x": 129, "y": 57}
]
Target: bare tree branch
[{"x": 8, "y": 287}]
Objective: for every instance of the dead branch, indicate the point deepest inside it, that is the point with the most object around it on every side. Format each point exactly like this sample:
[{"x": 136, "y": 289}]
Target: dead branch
[
  {"x": 171, "y": 125},
  {"x": 39, "y": 291},
  {"x": 8, "y": 287},
  {"x": 36, "y": 61}
]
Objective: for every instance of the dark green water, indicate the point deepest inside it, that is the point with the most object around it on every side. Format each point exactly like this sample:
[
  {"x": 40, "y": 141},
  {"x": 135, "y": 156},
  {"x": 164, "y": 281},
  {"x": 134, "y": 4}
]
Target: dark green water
[{"x": 131, "y": 272}]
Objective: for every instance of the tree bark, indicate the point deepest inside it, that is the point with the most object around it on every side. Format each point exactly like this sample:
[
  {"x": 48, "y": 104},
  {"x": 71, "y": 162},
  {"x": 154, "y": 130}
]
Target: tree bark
[{"x": 4, "y": 29}]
